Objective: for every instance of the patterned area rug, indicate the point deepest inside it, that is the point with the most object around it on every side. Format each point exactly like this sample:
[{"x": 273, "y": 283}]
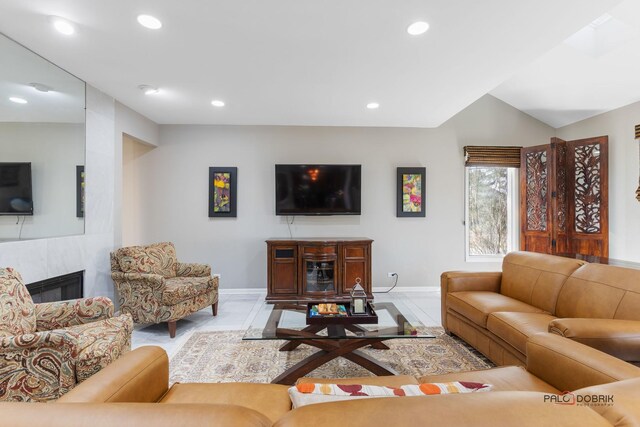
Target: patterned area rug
[{"x": 224, "y": 357}]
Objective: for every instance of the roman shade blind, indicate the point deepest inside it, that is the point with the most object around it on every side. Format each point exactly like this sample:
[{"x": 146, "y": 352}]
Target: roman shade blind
[{"x": 506, "y": 157}]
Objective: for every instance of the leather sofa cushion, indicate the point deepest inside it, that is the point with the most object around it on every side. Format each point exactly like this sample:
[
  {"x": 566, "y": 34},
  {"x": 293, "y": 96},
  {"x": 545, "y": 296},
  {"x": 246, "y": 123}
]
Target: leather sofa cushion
[
  {"x": 179, "y": 289},
  {"x": 388, "y": 381},
  {"x": 601, "y": 292},
  {"x": 536, "y": 279},
  {"x": 506, "y": 378},
  {"x": 476, "y": 306},
  {"x": 516, "y": 328},
  {"x": 272, "y": 400}
]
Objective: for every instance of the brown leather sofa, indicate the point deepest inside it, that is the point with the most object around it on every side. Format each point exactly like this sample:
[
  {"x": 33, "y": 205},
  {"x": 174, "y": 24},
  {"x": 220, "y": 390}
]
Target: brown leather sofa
[
  {"x": 596, "y": 304},
  {"x": 133, "y": 391}
]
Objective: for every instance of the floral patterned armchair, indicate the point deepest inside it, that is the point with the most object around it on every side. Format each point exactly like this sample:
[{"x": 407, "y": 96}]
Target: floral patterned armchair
[
  {"x": 154, "y": 287},
  {"x": 46, "y": 349}
]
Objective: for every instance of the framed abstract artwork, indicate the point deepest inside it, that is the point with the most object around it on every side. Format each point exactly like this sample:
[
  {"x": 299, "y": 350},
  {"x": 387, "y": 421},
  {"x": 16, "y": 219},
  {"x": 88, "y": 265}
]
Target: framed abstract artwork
[
  {"x": 411, "y": 189},
  {"x": 223, "y": 197},
  {"x": 80, "y": 191}
]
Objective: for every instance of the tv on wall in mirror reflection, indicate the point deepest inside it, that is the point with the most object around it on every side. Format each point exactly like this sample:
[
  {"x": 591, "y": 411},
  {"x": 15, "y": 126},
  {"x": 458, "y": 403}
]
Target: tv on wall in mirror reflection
[
  {"x": 15, "y": 189},
  {"x": 318, "y": 189}
]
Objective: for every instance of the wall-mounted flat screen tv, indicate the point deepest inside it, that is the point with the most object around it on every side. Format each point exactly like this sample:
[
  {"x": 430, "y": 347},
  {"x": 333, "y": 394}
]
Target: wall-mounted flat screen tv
[
  {"x": 318, "y": 189},
  {"x": 15, "y": 189}
]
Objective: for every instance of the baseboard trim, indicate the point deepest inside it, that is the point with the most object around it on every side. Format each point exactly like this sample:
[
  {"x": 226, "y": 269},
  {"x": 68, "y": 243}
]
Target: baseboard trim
[
  {"x": 242, "y": 291},
  {"x": 408, "y": 289}
]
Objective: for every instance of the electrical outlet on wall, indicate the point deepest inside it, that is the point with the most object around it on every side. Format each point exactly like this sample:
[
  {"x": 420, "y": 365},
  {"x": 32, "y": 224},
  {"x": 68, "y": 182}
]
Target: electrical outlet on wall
[{"x": 392, "y": 274}]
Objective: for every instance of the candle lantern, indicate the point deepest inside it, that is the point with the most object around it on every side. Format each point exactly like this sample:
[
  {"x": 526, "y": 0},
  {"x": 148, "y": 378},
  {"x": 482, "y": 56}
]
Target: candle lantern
[{"x": 358, "y": 299}]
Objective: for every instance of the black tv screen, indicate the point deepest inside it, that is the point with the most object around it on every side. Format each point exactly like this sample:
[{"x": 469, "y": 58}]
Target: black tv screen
[
  {"x": 318, "y": 189},
  {"x": 15, "y": 189}
]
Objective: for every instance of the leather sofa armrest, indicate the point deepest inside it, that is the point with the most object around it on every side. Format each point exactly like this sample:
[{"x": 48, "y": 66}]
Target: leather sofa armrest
[
  {"x": 62, "y": 314},
  {"x": 459, "y": 281},
  {"x": 619, "y": 338},
  {"x": 185, "y": 269},
  {"x": 568, "y": 365},
  {"x": 141, "y": 375},
  {"x": 123, "y": 414}
]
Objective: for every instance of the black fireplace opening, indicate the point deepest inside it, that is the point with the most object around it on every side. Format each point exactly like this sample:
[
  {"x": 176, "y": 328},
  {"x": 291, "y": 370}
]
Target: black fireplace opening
[{"x": 61, "y": 288}]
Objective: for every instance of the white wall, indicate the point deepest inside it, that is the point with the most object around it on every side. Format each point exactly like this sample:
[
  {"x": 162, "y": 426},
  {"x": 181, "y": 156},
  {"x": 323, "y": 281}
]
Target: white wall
[
  {"x": 44, "y": 258},
  {"x": 133, "y": 125},
  {"x": 624, "y": 209},
  {"x": 54, "y": 150},
  {"x": 174, "y": 190},
  {"x": 132, "y": 200}
]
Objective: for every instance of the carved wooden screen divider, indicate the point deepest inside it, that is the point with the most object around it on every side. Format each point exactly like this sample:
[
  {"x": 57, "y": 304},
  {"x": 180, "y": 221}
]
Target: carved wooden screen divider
[{"x": 564, "y": 197}]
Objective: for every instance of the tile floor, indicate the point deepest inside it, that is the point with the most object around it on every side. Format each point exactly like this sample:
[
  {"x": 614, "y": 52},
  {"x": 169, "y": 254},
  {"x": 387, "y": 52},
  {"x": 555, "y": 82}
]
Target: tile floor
[{"x": 236, "y": 311}]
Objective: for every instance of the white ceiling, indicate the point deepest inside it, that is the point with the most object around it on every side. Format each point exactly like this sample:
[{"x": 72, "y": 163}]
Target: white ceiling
[
  {"x": 596, "y": 71},
  {"x": 301, "y": 62}
]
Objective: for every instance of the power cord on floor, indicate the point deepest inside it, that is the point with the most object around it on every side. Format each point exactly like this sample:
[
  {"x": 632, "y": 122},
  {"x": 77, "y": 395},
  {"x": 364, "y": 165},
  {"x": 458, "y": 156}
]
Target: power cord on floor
[{"x": 394, "y": 285}]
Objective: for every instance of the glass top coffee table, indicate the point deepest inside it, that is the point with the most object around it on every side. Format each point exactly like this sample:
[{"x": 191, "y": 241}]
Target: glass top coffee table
[{"x": 286, "y": 320}]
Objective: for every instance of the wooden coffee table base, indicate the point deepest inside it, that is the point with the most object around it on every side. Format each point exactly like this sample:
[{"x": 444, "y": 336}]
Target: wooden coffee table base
[{"x": 329, "y": 350}]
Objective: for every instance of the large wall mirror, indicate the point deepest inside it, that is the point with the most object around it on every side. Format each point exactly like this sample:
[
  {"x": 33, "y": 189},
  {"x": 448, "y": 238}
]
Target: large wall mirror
[{"x": 42, "y": 147}]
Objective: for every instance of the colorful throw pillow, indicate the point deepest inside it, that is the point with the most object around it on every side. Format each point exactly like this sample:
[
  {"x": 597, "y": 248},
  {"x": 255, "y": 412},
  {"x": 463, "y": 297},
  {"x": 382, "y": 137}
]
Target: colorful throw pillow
[{"x": 310, "y": 393}]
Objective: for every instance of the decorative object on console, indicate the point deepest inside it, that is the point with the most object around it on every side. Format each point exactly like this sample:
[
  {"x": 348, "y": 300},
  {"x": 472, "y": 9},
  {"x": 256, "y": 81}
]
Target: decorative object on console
[
  {"x": 411, "y": 192},
  {"x": 358, "y": 298},
  {"x": 154, "y": 287},
  {"x": 223, "y": 198},
  {"x": 80, "y": 191},
  {"x": 47, "y": 348}
]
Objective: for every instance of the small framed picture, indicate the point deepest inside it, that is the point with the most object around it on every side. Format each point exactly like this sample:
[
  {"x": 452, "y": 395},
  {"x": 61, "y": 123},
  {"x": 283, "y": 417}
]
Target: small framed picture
[
  {"x": 80, "y": 191},
  {"x": 223, "y": 197},
  {"x": 411, "y": 190}
]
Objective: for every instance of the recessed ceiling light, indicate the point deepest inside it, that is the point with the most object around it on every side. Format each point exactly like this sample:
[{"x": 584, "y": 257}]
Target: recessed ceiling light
[
  {"x": 18, "y": 100},
  {"x": 149, "y": 90},
  {"x": 62, "y": 25},
  {"x": 418, "y": 28},
  {"x": 41, "y": 87},
  {"x": 373, "y": 105},
  {"x": 149, "y": 21},
  {"x": 217, "y": 103}
]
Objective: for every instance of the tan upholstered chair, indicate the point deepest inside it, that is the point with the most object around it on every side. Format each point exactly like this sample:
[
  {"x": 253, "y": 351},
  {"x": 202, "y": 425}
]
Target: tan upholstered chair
[
  {"x": 154, "y": 287},
  {"x": 46, "y": 349}
]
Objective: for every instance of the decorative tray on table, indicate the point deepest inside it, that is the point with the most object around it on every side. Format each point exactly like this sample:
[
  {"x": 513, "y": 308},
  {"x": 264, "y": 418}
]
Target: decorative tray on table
[{"x": 339, "y": 313}]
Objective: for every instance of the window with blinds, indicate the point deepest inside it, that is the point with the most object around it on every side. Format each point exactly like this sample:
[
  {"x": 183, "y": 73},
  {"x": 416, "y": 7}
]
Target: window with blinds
[
  {"x": 491, "y": 201},
  {"x": 492, "y": 156}
]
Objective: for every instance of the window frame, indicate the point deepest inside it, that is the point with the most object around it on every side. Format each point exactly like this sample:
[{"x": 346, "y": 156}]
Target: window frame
[{"x": 513, "y": 215}]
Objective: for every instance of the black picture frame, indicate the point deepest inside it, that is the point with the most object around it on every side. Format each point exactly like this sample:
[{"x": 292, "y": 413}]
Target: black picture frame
[
  {"x": 80, "y": 184},
  {"x": 401, "y": 207},
  {"x": 226, "y": 209}
]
